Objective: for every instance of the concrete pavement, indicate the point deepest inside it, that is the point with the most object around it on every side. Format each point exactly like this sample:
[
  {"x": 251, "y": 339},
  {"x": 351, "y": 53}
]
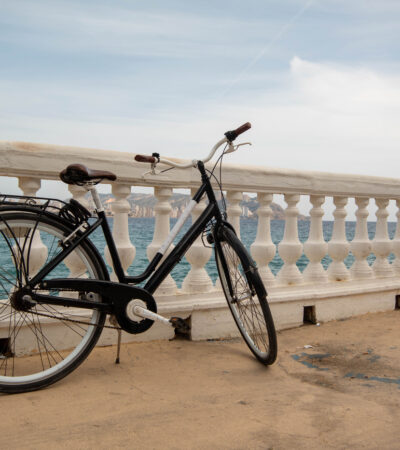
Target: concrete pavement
[{"x": 334, "y": 386}]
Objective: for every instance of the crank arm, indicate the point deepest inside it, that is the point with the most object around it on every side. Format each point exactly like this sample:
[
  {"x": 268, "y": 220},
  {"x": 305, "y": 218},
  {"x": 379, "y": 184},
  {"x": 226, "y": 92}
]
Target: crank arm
[
  {"x": 175, "y": 322},
  {"x": 147, "y": 314}
]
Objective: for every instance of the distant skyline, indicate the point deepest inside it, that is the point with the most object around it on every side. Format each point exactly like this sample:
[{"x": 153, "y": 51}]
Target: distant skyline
[{"x": 319, "y": 80}]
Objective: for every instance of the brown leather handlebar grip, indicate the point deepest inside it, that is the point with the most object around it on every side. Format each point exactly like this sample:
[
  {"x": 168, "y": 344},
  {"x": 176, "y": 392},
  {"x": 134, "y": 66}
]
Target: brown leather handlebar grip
[
  {"x": 246, "y": 126},
  {"x": 232, "y": 135},
  {"x": 145, "y": 159}
]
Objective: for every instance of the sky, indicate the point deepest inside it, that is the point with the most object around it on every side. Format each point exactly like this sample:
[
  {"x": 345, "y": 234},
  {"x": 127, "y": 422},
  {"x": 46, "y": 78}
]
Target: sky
[{"x": 318, "y": 79}]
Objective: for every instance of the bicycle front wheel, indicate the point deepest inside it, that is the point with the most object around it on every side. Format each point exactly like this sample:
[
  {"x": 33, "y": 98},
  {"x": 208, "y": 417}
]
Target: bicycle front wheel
[
  {"x": 246, "y": 296},
  {"x": 40, "y": 344}
]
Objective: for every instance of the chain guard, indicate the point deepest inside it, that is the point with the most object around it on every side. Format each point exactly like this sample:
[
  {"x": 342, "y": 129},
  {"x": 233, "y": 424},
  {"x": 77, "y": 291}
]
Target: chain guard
[
  {"x": 116, "y": 295},
  {"x": 125, "y": 322}
]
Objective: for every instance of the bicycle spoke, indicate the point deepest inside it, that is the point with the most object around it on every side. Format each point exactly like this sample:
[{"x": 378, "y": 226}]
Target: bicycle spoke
[
  {"x": 62, "y": 316},
  {"x": 42, "y": 341},
  {"x": 244, "y": 302}
]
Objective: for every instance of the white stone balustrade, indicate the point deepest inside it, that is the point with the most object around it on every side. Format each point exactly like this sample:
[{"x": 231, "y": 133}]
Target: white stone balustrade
[
  {"x": 290, "y": 248},
  {"x": 361, "y": 245},
  {"x": 198, "y": 280},
  {"x": 338, "y": 247},
  {"x": 75, "y": 264},
  {"x": 234, "y": 210},
  {"x": 396, "y": 241},
  {"x": 79, "y": 194},
  {"x": 37, "y": 250},
  {"x": 120, "y": 208},
  {"x": 315, "y": 248},
  {"x": 162, "y": 212},
  {"x": 336, "y": 292},
  {"x": 263, "y": 249},
  {"x": 381, "y": 245}
]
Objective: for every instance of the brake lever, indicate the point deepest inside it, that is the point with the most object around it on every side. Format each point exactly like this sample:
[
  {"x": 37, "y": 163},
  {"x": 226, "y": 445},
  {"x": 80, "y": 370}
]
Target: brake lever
[
  {"x": 243, "y": 143},
  {"x": 233, "y": 148},
  {"x": 152, "y": 170},
  {"x": 155, "y": 172}
]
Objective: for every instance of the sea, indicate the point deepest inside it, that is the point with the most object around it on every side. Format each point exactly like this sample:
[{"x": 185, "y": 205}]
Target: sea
[{"x": 141, "y": 234}]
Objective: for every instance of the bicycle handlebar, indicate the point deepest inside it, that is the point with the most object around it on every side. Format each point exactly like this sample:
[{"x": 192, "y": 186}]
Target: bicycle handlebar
[
  {"x": 230, "y": 136},
  {"x": 145, "y": 159}
]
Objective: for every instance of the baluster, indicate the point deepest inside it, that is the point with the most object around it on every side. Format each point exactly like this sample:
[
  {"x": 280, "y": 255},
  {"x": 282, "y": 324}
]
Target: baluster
[
  {"x": 75, "y": 264},
  {"x": 38, "y": 250},
  {"x": 315, "y": 248},
  {"x": 120, "y": 208},
  {"x": 79, "y": 194},
  {"x": 361, "y": 245},
  {"x": 338, "y": 247},
  {"x": 198, "y": 280},
  {"x": 381, "y": 245},
  {"x": 234, "y": 210},
  {"x": 396, "y": 241},
  {"x": 263, "y": 249},
  {"x": 290, "y": 248},
  {"x": 29, "y": 186},
  {"x": 161, "y": 230}
]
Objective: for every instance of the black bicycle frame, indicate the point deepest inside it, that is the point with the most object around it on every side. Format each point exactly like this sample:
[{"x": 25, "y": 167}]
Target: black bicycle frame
[{"x": 156, "y": 276}]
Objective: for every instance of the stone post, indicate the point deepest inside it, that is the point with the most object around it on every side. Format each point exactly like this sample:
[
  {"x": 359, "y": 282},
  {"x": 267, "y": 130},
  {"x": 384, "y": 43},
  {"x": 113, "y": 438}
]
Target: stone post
[
  {"x": 290, "y": 248},
  {"x": 361, "y": 245},
  {"x": 77, "y": 268},
  {"x": 234, "y": 210},
  {"x": 263, "y": 249},
  {"x": 197, "y": 280},
  {"x": 161, "y": 230},
  {"x": 396, "y": 241},
  {"x": 315, "y": 248},
  {"x": 382, "y": 245},
  {"x": 338, "y": 247},
  {"x": 120, "y": 208},
  {"x": 38, "y": 250}
]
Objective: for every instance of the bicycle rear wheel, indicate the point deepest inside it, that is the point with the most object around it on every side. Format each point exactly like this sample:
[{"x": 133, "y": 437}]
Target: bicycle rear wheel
[
  {"x": 40, "y": 344},
  {"x": 246, "y": 296}
]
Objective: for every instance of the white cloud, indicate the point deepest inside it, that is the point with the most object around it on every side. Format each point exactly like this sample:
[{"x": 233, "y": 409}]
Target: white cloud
[
  {"x": 330, "y": 118},
  {"x": 322, "y": 116},
  {"x": 346, "y": 90}
]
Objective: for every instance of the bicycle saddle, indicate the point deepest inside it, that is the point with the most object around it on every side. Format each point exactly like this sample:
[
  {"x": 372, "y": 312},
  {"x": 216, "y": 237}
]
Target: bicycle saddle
[{"x": 78, "y": 173}]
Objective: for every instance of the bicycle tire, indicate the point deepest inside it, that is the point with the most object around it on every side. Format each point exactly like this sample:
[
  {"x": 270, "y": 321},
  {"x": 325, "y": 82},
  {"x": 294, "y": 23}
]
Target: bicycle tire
[
  {"x": 45, "y": 343},
  {"x": 242, "y": 284}
]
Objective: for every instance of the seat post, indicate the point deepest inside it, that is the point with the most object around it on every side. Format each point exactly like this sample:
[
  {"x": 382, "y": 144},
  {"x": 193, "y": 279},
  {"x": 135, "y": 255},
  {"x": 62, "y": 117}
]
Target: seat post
[{"x": 96, "y": 198}]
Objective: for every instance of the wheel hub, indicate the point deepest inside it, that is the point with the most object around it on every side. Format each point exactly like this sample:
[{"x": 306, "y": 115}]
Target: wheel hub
[{"x": 21, "y": 300}]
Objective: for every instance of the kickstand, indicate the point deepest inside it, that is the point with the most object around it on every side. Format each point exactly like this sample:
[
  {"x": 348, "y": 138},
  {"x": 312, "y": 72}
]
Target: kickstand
[{"x": 118, "y": 346}]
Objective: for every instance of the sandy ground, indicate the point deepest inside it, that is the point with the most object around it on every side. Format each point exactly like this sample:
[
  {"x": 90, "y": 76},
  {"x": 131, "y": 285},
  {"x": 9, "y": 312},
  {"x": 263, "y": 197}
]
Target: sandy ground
[{"x": 344, "y": 392}]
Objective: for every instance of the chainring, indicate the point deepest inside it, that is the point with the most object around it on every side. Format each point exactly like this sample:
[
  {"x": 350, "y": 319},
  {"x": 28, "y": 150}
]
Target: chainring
[{"x": 123, "y": 310}]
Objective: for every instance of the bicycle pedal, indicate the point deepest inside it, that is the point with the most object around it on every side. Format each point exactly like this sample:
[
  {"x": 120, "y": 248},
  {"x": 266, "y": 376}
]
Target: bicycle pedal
[{"x": 180, "y": 325}]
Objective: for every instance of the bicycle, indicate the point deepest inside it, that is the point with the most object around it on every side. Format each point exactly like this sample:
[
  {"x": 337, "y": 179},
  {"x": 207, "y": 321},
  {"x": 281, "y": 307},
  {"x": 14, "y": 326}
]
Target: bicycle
[{"x": 42, "y": 237}]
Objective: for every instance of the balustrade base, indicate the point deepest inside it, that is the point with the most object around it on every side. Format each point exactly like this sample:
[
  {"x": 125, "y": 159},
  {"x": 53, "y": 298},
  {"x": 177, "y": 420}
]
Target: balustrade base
[{"x": 210, "y": 317}]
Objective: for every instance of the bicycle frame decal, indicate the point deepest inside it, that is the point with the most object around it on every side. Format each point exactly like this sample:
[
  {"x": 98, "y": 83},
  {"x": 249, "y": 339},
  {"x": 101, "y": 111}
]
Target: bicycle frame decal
[{"x": 177, "y": 227}]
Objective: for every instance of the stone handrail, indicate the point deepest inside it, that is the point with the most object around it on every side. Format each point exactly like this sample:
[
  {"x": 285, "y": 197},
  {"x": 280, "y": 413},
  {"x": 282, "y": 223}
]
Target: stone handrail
[
  {"x": 333, "y": 293},
  {"x": 27, "y": 159}
]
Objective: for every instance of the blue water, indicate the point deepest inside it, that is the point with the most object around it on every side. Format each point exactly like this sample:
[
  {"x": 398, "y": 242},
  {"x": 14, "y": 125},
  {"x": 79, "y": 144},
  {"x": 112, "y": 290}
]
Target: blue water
[{"x": 141, "y": 234}]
